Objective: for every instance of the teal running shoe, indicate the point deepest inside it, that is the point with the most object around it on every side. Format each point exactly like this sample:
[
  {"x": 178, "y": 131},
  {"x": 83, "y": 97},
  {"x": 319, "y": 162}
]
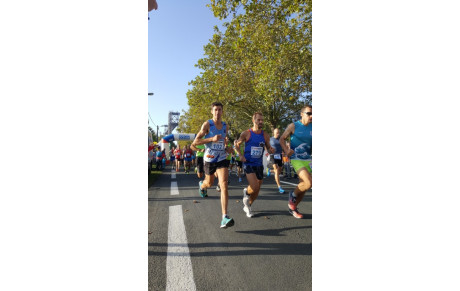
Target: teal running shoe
[
  {"x": 281, "y": 190},
  {"x": 227, "y": 222},
  {"x": 203, "y": 193}
]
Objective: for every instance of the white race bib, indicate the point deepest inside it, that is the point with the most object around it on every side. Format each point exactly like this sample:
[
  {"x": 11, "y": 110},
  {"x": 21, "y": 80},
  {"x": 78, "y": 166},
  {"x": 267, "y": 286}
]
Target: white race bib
[
  {"x": 218, "y": 146},
  {"x": 256, "y": 152},
  {"x": 277, "y": 156}
]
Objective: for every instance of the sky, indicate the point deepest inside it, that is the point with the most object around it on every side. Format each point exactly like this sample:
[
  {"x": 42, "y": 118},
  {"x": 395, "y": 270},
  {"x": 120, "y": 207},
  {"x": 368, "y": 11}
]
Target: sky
[{"x": 177, "y": 33}]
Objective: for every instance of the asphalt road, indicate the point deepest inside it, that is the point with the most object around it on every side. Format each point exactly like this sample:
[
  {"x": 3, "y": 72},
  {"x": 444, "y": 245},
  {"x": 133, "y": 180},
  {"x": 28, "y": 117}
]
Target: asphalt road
[{"x": 270, "y": 251}]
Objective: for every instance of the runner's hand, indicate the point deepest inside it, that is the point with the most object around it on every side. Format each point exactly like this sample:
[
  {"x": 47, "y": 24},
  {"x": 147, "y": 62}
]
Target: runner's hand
[{"x": 216, "y": 137}]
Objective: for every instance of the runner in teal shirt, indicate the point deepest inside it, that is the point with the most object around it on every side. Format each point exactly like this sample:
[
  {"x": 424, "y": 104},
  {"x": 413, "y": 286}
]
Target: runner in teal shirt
[{"x": 300, "y": 154}]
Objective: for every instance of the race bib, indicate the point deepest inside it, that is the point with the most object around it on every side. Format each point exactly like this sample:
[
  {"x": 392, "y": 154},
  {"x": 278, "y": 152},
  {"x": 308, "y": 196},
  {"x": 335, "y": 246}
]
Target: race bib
[
  {"x": 277, "y": 156},
  {"x": 256, "y": 152},
  {"x": 218, "y": 146}
]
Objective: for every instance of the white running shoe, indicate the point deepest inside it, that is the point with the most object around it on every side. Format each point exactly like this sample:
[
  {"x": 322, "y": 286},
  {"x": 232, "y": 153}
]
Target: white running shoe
[
  {"x": 247, "y": 207},
  {"x": 245, "y": 197},
  {"x": 248, "y": 211}
]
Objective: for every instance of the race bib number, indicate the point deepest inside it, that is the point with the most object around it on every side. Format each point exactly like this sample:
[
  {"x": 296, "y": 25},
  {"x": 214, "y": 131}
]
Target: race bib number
[
  {"x": 277, "y": 156},
  {"x": 256, "y": 152},
  {"x": 218, "y": 146}
]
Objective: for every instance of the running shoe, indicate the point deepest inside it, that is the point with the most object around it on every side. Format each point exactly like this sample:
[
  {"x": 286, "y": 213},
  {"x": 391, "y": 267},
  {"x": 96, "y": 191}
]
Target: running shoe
[
  {"x": 246, "y": 198},
  {"x": 281, "y": 190},
  {"x": 291, "y": 201},
  {"x": 248, "y": 211},
  {"x": 268, "y": 172},
  {"x": 196, "y": 170},
  {"x": 240, "y": 180},
  {"x": 218, "y": 188},
  {"x": 203, "y": 193},
  {"x": 227, "y": 222},
  {"x": 296, "y": 213},
  {"x": 247, "y": 207}
]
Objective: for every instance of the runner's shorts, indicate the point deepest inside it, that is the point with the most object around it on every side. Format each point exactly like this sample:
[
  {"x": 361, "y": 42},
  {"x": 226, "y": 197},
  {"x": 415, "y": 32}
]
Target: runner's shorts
[
  {"x": 258, "y": 170},
  {"x": 298, "y": 164},
  {"x": 200, "y": 164},
  {"x": 188, "y": 159},
  {"x": 239, "y": 164},
  {"x": 278, "y": 162},
  {"x": 210, "y": 168}
]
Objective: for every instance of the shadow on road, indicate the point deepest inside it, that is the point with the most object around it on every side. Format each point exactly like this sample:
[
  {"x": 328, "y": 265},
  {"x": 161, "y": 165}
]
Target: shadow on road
[
  {"x": 246, "y": 249},
  {"x": 281, "y": 212},
  {"x": 272, "y": 232}
]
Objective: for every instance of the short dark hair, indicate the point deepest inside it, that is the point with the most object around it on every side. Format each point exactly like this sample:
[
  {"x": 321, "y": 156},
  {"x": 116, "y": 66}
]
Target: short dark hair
[
  {"x": 217, "y": 103},
  {"x": 307, "y": 106},
  {"x": 255, "y": 114}
]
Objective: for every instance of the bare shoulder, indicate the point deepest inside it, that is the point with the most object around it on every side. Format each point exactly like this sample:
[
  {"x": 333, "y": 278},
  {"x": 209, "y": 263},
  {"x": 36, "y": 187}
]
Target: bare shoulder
[
  {"x": 205, "y": 127},
  {"x": 205, "y": 124},
  {"x": 289, "y": 130},
  {"x": 245, "y": 135}
]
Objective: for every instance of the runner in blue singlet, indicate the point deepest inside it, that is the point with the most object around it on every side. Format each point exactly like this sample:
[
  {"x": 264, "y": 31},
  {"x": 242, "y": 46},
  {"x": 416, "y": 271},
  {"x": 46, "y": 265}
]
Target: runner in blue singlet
[
  {"x": 300, "y": 154},
  {"x": 213, "y": 135},
  {"x": 255, "y": 141}
]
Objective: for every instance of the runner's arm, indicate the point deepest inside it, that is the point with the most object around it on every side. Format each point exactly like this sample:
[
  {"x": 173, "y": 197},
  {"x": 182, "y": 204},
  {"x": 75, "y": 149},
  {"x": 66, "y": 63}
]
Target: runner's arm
[
  {"x": 243, "y": 138},
  {"x": 193, "y": 147},
  {"x": 289, "y": 130},
  {"x": 204, "y": 130},
  {"x": 268, "y": 146}
]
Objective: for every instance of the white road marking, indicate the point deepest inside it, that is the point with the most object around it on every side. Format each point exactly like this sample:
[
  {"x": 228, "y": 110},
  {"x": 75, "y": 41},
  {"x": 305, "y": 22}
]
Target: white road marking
[
  {"x": 174, "y": 189},
  {"x": 179, "y": 270},
  {"x": 288, "y": 183},
  {"x": 173, "y": 176}
]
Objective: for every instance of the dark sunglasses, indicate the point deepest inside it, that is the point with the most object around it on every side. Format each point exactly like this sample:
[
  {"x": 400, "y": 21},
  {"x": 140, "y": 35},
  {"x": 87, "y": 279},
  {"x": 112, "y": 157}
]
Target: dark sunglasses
[{"x": 307, "y": 113}]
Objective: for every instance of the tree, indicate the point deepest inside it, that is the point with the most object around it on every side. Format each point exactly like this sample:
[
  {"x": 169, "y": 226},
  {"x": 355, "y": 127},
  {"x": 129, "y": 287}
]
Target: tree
[{"x": 260, "y": 63}]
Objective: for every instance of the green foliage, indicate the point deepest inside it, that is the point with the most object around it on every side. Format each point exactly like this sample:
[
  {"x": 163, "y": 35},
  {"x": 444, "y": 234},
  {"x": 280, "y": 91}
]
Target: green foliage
[{"x": 262, "y": 62}]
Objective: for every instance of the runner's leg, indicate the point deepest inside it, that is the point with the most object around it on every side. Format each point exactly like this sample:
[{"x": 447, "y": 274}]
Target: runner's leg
[
  {"x": 222, "y": 174},
  {"x": 254, "y": 187},
  {"x": 276, "y": 168},
  {"x": 305, "y": 183}
]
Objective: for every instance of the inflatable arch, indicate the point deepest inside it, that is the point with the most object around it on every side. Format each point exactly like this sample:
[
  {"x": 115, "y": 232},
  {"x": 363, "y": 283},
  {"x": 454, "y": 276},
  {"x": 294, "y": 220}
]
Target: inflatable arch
[{"x": 173, "y": 137}]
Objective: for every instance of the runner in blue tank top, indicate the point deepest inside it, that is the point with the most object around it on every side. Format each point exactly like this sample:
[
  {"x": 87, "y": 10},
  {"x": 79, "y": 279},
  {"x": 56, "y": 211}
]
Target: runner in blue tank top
[
  {"x": 300, "y": 153},
  {"x": 213, "y": 135},
  {"x": 255, "y": 140}
]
